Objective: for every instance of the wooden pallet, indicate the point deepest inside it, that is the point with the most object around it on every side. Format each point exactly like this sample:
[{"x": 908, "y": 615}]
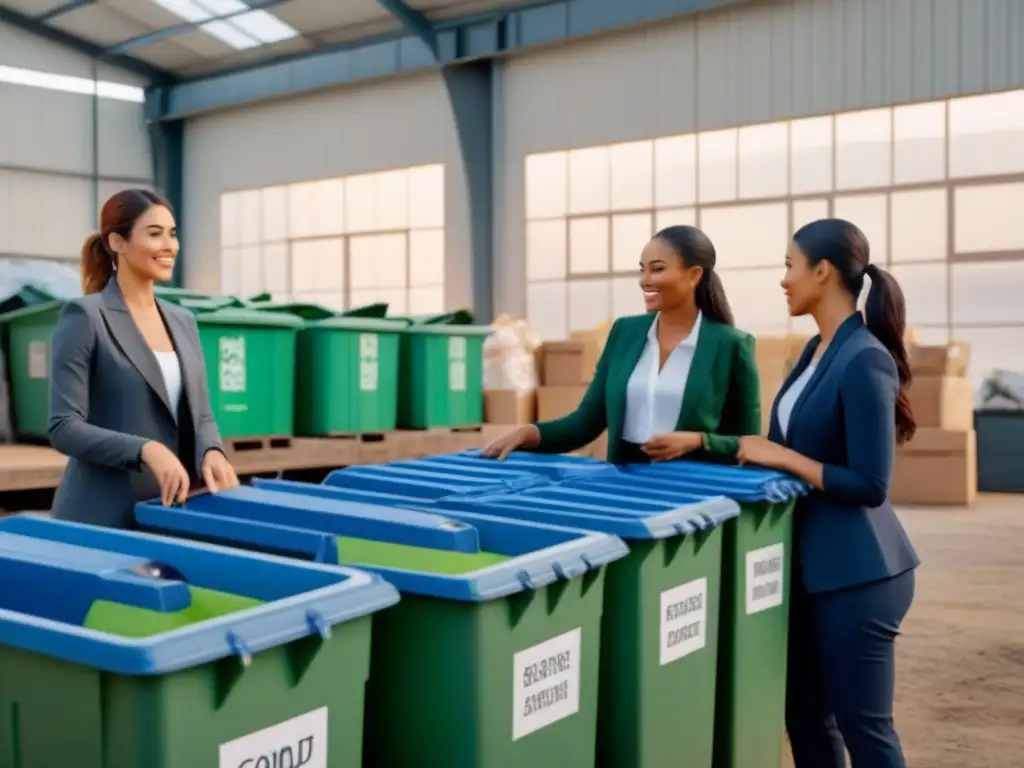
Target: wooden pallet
[{"x": 258, "y": 444}]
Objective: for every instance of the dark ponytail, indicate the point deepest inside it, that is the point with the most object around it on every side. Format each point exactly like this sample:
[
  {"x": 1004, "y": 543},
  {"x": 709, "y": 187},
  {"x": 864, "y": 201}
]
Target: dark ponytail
[
  {"x": 885, "y": 314},
  {"x": 695, "y": 249},
  {"x": 118, "y": 217},
  {"x": 97, "y": 264},
  {"x": 845, "y": 247}
]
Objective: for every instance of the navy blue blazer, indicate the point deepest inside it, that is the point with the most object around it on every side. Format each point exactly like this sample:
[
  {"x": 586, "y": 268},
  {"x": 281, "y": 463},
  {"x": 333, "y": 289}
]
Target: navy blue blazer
[{"x": 847, "y": 534}]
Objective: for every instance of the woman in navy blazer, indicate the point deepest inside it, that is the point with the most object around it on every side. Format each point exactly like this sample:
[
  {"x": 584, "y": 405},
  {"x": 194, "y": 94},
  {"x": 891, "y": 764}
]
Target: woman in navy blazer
[{"x": 835, "y": 424}]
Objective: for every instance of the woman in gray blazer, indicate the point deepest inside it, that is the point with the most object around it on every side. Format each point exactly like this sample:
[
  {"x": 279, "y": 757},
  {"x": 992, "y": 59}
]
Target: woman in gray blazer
[{"x": 129, "y": 400}]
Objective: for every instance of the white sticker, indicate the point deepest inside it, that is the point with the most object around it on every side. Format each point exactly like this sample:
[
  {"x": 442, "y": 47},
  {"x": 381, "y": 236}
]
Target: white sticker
[
  {"x": 457, "y": 376},
  {"x": 368, "y": 345},
  {"x": 546, "y": 684},
  {"x": 301, "y": 741},
  {"x": 232, "y": 364},
  {"x": 368, "y": 362},
  {"x": 456, "y": 348},
  {"x": 38, "y": 360},
  {"x": 684, "y": 615},
  {"x": 764, "y": 578}
]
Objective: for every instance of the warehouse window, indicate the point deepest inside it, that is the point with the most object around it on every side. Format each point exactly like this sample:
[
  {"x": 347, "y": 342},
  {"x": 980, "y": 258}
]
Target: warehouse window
[
  {"x": 341, "y": 242},
  {"x": 240, "y": 30},
  {"x": 32, "y": 78}
]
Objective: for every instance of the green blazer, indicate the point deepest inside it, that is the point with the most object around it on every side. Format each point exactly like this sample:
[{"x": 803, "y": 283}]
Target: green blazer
[{"x": 722, "y": 398}]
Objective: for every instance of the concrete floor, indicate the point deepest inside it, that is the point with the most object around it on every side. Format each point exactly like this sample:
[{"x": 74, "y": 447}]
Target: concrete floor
[{"x": 960, "y": 701}]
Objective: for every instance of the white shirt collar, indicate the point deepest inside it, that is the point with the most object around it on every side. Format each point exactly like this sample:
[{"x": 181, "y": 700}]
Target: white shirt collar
[{"x": 689, "y": 341}]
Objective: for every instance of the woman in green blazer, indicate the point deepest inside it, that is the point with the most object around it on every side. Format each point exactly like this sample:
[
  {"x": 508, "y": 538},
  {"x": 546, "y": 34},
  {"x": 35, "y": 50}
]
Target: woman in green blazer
[{"x": 679, "y": 381}]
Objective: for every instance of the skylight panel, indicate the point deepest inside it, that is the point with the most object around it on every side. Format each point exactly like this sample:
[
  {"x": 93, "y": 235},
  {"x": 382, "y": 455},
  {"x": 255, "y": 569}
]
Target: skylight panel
[{"x": 241, "y": 31}]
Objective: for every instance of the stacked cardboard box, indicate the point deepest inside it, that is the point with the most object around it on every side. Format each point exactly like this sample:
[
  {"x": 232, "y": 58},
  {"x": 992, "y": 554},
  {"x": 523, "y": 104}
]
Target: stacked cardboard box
[
  {"x": 565, "y": 368},
  {"x": 939, "y": 466}
]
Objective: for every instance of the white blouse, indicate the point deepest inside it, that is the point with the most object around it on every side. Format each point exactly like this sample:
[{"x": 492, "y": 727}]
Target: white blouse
[
  {"x": 170, "y": 369},
  {"x": 791, "y": 395},
  {"x": 654, "y": 398}
]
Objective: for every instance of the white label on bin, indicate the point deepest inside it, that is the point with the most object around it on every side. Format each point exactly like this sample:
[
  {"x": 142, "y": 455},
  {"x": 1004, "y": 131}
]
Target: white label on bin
[
  {"x": 546, "y": 684},
  {"x": 765, "y": 568},
  {"x": 232, "y": 364},
  {"x": 301, "y": 741},
  {"x": 684, "y": 615},
  {"x": 457, "y": 376},
  {"x": 456, "y": 348},
  {"x": 368, "y": 371},
  {"x": 38, "y": 363}
]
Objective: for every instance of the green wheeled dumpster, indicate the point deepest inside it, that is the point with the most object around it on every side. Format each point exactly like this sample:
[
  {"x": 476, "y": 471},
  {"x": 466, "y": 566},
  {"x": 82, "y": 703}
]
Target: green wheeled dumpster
[
  {"x": 491, "y": 659},
  {"x": 122, "y": 650},
  {"x": 29, "y": 332},
  {"x": 441, "y": 370},
  {"x": 660, "y": 627}
]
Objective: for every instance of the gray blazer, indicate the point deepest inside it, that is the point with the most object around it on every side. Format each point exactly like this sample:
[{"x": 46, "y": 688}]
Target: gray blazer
[{"x": 108, "y": 399}]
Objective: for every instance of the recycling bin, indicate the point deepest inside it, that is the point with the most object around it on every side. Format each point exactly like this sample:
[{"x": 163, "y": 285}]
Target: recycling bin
[
  {"x": 659, "y": 632},
  {"x": 757, "y": 567},
  {"x": 28, "y": 332},
  {"x": 441, "y": 364},
  {"x": 121, "y": 649},
  {"x": 491, "y": 659}
]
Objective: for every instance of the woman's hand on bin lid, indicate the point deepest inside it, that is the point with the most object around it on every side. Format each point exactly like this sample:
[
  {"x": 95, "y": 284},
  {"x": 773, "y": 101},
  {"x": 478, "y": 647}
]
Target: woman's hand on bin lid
[
  {"x": 218, "y": 474},
  {"x": 526, "y": 437}
]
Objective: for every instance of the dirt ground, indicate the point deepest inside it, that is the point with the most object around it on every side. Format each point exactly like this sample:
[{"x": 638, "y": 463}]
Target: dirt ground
[{"x": 960, "y": 701}]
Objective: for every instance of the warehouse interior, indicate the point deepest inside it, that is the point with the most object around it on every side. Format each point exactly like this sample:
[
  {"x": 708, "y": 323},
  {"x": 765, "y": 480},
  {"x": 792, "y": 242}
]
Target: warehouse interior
[{"x": 513, "y": 159}]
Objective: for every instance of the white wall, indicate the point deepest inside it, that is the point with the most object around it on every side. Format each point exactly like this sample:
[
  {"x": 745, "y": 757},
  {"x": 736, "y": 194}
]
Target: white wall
[
  {"x": 50, "y": 173},
  {"x": 374, "y": 127}
]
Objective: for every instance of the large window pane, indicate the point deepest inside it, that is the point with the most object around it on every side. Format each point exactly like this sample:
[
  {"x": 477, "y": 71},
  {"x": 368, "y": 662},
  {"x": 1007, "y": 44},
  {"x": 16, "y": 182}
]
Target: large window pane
[
  {"x": 275, "y": 213},
  {"x": 672, "y": 217},
  {"x": 426, "y": 257},
  {"x": 250, "y": 277},
  {"x": 632, "y": 184},
  {"x": 229, "y": 219},
  {"x": 426, "y": 196},
  {"x": 675, "y": 171},
  {"x": 717, "y": 160},
  {"x": 318, "y": 265},
  {"x": 986, "y": 135},
  {"x": 359, "y": 204},
  {"x": 428, "y": 300},
  {"x": 391, "y": 200},
  {"x": 275, "y": 268},
  {"x": 747, "y": 235},
  {"x": 919, "y": 143},
  {"x": 806, "y": 211},
  {"x": 230, "y": 270},
  {"x": 989, "y": 293},
  {"x": 328, "y": 207},
  {"x": 988, "y": 218},
  {"x": 377, "y": 261},
  {"x": 627, "y": 298},
  {"x": 589, "y": 303},
  {"x": 992, "y": 349},
  {"x": 250, "y": 227},
  {"x": 924, "y": 290},
  {"x": 630, "y": 233},
  {"x": 863, "y": 149},
  {"x": 589, "y": 180},
  {"x": 588, "y": 245},
  {"x": 545, "y": 249},
  {"x": 757, "y": 300},
  {"x": 919, "y": 225},
  {"x": 764, "y": 160},
  {"x": 547, "y": 185},
  {"x": 302, "y": 209},
  {"x": 547, "y": 310},
  {"x": 810, "y": 160},
  {"x": 871, "y": 214}
]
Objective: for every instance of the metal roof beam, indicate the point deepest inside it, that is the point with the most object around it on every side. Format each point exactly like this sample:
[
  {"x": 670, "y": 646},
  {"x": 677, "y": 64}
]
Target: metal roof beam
[
  {"x": 487, "y": 35},
  {"x": 156, "y": 75},
  {"x": 413, "y": 22},
  {"x": 60, "y": 10},
  {"x": 180, "y": 29}
]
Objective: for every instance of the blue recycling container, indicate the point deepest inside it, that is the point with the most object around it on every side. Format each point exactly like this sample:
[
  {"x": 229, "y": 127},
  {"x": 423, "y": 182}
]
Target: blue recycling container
[
  {"x": 123, "y": 649},
  {"x": 492, "y": 657}
]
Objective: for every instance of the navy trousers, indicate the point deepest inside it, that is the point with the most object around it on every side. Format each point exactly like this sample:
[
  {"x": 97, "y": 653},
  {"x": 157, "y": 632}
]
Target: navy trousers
[{"x": 842, "y": 674}]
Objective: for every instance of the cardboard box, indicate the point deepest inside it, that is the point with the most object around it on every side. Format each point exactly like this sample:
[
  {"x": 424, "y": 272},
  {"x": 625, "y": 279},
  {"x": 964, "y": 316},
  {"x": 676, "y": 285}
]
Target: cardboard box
[
  {"x": 556, "y": 402},
  {"x": 948, "y": 360},
  {"x": 593, "y": 342},
  {"x": 509, "y": 406},
  {"x": 943, "y": 402},
  {"x": 937, "y": 467},
  {"x": 562, "y": 364}
]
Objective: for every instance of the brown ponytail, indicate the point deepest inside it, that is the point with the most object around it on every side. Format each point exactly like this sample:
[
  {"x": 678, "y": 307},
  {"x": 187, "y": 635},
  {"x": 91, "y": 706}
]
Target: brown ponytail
[
  {"x": 885, "y": 314},
  {"x": 118, "y": 217},
  {"x": 97, "y": 264}
]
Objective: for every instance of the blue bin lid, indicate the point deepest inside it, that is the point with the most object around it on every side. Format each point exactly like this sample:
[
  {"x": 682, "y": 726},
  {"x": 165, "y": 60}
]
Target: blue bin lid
[
  {"x": 304, "y": 520},
  {"x": 426, "y": 482},
  {"x": 61, "y": 568},
  {"x": 550, "y": 465},
  {"x": 628, "y": 513},
  {"x": 743, "y": 484}
]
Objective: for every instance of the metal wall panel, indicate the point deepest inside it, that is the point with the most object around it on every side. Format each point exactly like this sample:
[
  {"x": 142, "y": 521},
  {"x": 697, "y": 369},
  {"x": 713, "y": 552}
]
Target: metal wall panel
[
  {"x": 753, "y": 63},
  {"x": 382, "y": 126},
  {"x": 19, "y": 49},
  {"x": 44, "y": 129}
]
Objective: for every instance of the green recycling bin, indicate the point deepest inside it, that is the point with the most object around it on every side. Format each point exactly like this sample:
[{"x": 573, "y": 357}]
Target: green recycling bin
[
  {"x": 441, "y": 372},
  {"x": 28, "y": 332},
  {"x": 124, "y": 650},
  {"x": 250, "y": 364}
]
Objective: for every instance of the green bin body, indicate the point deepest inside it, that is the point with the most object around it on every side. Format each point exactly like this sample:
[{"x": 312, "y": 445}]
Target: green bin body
[
  {"x": 750, "y": 718},
  {"x": 250, "y": 364},
  {"x": 29, "y": 332},
  {"x": 441, "y": 376}
]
